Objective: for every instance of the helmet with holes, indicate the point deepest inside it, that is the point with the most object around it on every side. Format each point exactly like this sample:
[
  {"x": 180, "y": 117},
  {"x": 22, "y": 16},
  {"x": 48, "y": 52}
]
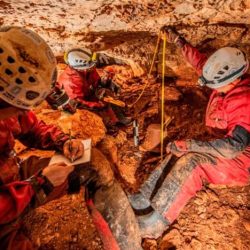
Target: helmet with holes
[
  {"x": 27, "y": 67},
  {"x": 80, "y": 59},
  {"x": 223, "y": 67}
]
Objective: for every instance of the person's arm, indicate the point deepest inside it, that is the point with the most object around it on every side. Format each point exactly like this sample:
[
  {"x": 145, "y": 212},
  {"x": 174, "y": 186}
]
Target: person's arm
[
  {"x": 227, "y": 148},
  {"x": 93, "y": 79},
  {"x": 191, "y": 54},
  {"x": 14, "y": 198},
  {"x": 194, "y": 57},
  {"x": 37, "y": 134},
  {"x": 49, "y": 184},
  {"x": 237, "y": 108}
]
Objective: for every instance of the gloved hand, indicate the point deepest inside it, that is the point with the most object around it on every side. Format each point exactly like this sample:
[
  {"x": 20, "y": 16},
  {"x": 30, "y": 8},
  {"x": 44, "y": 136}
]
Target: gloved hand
[
  {"x": 73, "y": 150},
  {"x": 173, "y": 36},
  {"x": 57, "y": 173},
  {"x": 178, "y": 148},
  {"x": 115, "y": 87},
  {"x": 88, "y": 105}
]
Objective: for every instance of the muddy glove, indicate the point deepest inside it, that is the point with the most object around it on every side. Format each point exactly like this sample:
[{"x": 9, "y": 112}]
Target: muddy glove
[
  {"x": 178, "y": 148},
  {"x": 173, "y": 36},
  {"x": 108, "y": 82},
  {"x": 115, "y": 87}
]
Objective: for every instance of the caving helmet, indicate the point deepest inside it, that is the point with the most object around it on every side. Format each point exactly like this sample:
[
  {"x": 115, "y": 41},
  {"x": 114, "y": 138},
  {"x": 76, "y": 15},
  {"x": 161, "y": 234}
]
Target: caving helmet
[
  {"x": 27, "y": 67},
  {"x": 80, "y": 59},
  {"x": 223, "y": 67}
]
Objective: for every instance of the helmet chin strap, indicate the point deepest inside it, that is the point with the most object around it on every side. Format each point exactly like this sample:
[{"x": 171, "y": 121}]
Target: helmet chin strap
[{"x": 202, "y": 81}]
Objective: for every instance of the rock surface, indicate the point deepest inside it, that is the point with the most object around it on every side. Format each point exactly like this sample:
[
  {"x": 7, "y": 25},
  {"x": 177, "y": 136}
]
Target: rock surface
[
  {"x": 218, "y": 218},
  {"x": 83, "y": 124},
  {"x": 128, "y": 28}
]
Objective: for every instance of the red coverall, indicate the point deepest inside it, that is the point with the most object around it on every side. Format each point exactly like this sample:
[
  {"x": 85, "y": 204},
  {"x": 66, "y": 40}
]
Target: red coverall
[
  {"x": 16, "y": 194},
  {"x": 220, "y": 161},
  {"x": 81, "y": 86}
]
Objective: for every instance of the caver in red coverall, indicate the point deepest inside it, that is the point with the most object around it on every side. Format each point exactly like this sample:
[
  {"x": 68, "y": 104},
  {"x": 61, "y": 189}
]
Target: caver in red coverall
[
  {"x": 221, "y": 161},
  {"x": 16, "y": 194},
  {"x": 81, "y": 86}
]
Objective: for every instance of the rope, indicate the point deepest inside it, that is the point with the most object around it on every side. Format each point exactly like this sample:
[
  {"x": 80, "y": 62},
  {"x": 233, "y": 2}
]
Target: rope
[
  {"x": 163, "y": 92},
  {"x": 150, "y": 71}
]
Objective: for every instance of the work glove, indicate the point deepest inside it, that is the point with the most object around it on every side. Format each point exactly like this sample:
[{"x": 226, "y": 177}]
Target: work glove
[
  {"x": 57, "y": 173},
  {"x": 115, "y": 87},
  {"x": 73, "y": 149},
  {"x": 173, "y": 36},
  {"x": 177, "y": 148}
]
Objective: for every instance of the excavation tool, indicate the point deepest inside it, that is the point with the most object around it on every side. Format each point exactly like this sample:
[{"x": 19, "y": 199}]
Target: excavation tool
[
  {"x": 107, "y": 96},
  {"x": 136, "y": 132},
  {"x": 114, "y": 101}
]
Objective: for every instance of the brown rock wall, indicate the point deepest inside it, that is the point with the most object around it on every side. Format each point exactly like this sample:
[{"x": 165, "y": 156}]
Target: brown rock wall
[{"x": 128, "y": 28}]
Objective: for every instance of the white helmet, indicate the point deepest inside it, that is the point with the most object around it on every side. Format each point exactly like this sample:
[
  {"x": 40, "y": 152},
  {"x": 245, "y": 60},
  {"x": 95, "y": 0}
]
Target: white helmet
[
  {"x": 27, "y": 67},
  {"x": 80, "y": 59},
  {"x": 223, "y": 67}
]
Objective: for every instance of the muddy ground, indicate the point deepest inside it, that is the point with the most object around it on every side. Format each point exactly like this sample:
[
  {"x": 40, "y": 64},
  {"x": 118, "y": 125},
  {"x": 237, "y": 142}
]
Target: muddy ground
[{"x": 217, "y": 218}]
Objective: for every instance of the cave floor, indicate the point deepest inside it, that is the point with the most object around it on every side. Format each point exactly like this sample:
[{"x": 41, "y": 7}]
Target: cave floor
[{"x": 217, "y": 218}]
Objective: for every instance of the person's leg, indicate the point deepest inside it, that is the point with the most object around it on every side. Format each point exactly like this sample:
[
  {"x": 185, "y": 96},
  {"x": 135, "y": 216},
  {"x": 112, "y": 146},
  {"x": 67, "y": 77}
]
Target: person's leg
[
  {"x": 11, "y": 235},
  {"x": 168, "y": 195},
  {"x": 114, "y": 206},
  {"x": 112, "y": 202}
]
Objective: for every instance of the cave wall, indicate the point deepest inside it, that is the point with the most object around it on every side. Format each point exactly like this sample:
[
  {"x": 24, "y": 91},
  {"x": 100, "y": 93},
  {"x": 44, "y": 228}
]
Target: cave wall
[{"x": 128, "y": 28}]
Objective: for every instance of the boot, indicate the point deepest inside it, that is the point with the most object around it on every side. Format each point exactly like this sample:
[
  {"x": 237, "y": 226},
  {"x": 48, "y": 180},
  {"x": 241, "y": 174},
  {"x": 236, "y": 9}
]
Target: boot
[
  {"x": 151, "y": 223},
  {"x": 114, "y": 206}
]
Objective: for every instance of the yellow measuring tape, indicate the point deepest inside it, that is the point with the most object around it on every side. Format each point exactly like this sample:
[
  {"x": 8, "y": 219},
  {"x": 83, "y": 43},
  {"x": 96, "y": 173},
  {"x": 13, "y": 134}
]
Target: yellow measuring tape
[
  {"x": 164, "y": 37},
  {"x": 163, "y": 93},
  {"x": 150, "y": 71}
]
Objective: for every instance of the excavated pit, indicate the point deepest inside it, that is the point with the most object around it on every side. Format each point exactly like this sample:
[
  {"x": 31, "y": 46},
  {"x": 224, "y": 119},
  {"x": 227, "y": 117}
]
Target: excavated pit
[{"x": 219, "y": 216}]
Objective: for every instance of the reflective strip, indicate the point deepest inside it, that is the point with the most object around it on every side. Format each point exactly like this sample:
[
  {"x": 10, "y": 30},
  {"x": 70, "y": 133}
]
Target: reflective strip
[{"x": 232, "y": 75}]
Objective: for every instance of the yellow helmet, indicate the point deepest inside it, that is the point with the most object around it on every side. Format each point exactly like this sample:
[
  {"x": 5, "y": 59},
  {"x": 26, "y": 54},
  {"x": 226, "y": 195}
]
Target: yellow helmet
[{"x": 27, "y": 67}]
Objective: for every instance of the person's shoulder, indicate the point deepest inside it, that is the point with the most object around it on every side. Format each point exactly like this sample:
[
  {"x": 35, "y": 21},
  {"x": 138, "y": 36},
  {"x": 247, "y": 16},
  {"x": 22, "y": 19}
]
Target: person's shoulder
[{"x": 241, "y": 93}]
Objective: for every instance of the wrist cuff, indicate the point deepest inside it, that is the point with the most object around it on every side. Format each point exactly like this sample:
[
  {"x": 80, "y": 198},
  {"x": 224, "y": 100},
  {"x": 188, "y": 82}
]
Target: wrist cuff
[
  {"x": 36, "y": 183},
  {"x": 179, "y": 41},
  {"x": 41, "y": 186}
]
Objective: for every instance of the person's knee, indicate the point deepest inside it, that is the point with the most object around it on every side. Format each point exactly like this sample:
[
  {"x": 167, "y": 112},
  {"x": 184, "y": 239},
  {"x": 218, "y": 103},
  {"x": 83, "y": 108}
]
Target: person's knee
[
  {"x": 102, "y": 166},
  {"x": 192, "y": 160}
]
